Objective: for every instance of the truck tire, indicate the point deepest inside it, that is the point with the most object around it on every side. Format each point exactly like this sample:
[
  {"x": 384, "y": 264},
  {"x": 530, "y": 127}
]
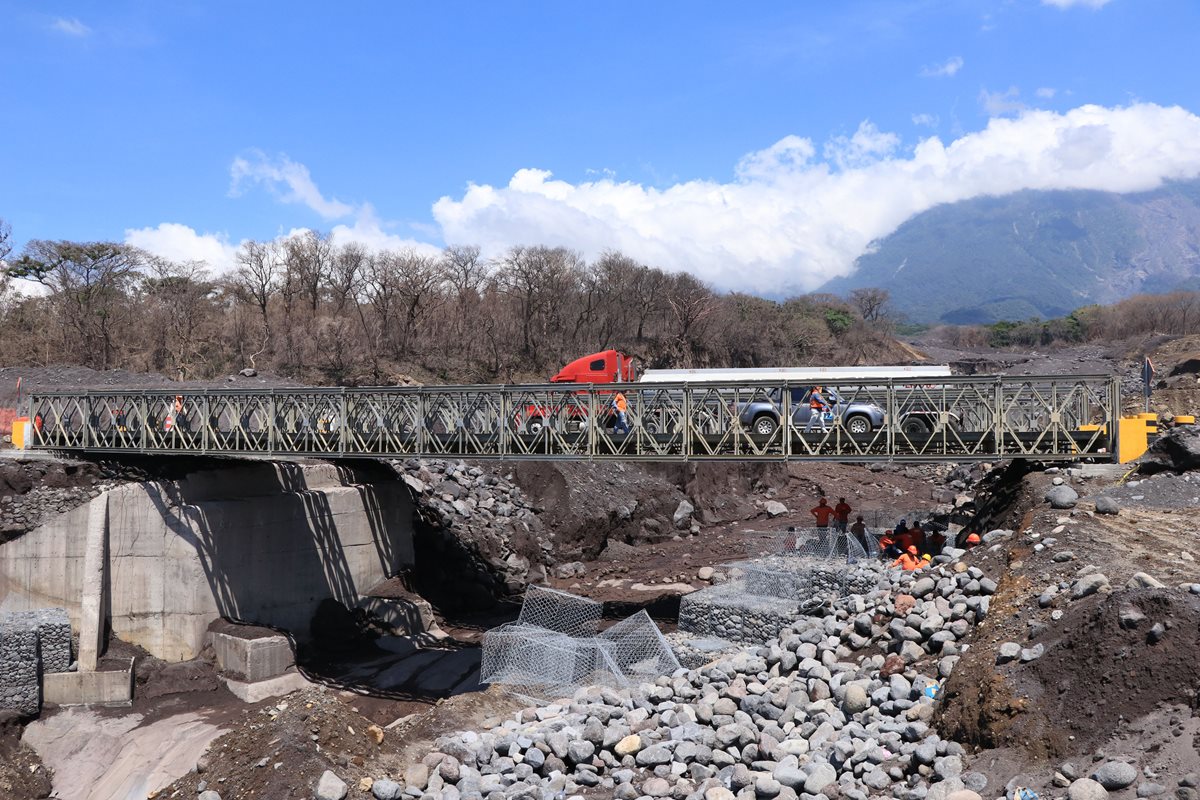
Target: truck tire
[
  {"x": 535, "y": 425},
  {"x": 764, "y": 425},
  {"x": 858, "y": 424},
  {"x": 914, "y": 426}
]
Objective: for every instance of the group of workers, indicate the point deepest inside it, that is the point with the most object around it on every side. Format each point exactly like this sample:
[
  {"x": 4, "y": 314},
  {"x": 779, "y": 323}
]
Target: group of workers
[{"x": 910, "y": 548}]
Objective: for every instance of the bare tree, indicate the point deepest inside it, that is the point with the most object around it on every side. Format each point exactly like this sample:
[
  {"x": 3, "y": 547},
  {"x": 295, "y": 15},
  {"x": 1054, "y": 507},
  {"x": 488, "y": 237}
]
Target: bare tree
[
  {"x": 871, "y": 302},
  {"x": 180, "y": 299},
  {"x": 309, "y": 260},
  {"x": 256, "y": 281}
]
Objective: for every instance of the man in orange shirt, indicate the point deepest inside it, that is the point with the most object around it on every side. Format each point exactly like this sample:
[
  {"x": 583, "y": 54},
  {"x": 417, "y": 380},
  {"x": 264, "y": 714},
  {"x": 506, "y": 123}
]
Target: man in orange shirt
[
  {"x": 841, "y": 514},
  {"x": 908, "y": 560},
  {"x": 823, "y": 512},
  {"x": 621, "y": 406}
]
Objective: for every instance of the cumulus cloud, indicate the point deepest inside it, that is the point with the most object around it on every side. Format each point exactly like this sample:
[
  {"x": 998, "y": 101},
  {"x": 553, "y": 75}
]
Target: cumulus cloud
[
  {"x": 1076, "y": 3},
  {"x": 1046, "y": 92},
  {"x": 177, "y": 242},
  {"x": 286, "y": 179},
  {"x": 788, "y": 220},
  {"x": 70, "y": 27},
  {"x": 946, "y": 70},
  {"x": 373, "y": 234},
  {"x": 925, "y": 120}
]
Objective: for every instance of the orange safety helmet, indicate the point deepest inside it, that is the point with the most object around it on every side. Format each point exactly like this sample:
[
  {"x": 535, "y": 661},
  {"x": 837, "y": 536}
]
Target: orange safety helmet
[
  {"x": 973, "y": 538},
  {"x": 912, "y": 549}
]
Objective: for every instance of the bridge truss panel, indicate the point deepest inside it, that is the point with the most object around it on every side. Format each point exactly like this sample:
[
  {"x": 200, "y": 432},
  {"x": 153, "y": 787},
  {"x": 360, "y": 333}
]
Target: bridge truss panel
[{"x": 960, "y": 419}]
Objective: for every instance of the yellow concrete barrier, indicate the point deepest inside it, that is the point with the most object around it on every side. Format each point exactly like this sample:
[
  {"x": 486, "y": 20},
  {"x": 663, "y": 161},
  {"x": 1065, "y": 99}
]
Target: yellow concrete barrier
[
  {"x": 1185, "y": 419},
  {"x": 1133, "y": 435}
]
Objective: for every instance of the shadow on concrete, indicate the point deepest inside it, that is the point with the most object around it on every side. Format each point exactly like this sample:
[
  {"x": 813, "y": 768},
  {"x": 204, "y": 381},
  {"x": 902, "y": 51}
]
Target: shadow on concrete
[{"x": 397, "y": 668}]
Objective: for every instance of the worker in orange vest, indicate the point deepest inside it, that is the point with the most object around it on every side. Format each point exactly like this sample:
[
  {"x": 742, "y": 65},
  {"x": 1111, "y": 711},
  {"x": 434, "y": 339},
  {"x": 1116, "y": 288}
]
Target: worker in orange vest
[
  {"x": 621, "y": 406},
  {"x": 908, "y": 560},
  {"x": 817, "y": 406},
  {"x": 887, "y": 545}
]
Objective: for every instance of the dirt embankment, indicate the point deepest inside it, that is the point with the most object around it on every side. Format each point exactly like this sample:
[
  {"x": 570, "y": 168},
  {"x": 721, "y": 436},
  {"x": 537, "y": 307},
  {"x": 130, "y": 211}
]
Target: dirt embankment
[{"x": 1104, "y": 663}]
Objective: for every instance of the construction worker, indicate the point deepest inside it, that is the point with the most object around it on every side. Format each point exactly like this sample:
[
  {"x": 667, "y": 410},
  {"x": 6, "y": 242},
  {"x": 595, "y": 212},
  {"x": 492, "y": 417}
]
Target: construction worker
[
  {"x": 817, "y": 406},
  {"x": 887, "y": 545},
  {"x": 841, "y": 514},
  {"x": 859, "y": 531},
  {"x": 926, "y": 560},
  {"x": 621, "y": 407},
  {"x": 822, "y": 512},
  {"x": 909, "y": 560}
]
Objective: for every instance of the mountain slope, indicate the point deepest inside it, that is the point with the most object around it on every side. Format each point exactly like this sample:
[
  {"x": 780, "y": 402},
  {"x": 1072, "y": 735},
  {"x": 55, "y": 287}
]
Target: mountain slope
[{"x": 1035, "y": 254}]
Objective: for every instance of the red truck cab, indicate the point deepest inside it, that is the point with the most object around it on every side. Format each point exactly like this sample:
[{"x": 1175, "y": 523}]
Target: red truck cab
[{"x": 608, "y": 366}]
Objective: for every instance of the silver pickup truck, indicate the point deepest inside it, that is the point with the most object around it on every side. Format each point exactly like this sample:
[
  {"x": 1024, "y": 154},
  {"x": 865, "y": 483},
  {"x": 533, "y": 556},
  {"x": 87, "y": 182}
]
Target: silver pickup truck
[
  {"x": 761, "y": 416},
  {"x": 917, "y": 419}
]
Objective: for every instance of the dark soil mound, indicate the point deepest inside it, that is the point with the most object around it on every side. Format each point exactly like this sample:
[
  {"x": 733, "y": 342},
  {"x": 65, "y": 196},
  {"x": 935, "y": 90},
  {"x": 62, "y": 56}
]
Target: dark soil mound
[{"x": 1095, "y": 674}]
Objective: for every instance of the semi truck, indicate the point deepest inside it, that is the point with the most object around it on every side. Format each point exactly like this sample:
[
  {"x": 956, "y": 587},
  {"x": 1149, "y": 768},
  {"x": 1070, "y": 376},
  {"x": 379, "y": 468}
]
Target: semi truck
[{"x": 761, "y": 411}]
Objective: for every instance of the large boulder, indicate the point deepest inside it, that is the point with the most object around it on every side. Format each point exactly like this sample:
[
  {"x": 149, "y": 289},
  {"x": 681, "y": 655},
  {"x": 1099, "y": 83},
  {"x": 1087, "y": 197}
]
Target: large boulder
[
  {"x": 1177, "y": 450},
  {"x": 1062, "y": 497},
  {"x": 1086, "y": 789},
  {"x": 1114, "y": 775}
]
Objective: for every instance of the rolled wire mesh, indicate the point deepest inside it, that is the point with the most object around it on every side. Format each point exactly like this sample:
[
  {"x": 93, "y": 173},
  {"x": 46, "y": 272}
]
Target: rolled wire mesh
[{"x": 813, "y": 543}]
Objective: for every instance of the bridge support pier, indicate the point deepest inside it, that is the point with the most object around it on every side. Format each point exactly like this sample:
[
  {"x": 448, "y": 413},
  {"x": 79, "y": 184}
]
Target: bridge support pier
[{"x": 94, "y": 602}]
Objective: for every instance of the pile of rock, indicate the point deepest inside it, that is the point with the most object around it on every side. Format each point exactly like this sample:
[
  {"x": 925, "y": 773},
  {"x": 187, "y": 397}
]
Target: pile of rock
[
  {"x": 808, "y": 713},
  {"x": 482, "y": 516}
]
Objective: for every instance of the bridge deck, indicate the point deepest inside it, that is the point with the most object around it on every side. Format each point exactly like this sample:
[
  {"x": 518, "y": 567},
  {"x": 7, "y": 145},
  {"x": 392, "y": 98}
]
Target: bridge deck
[{"x": 1050, "y": 417}]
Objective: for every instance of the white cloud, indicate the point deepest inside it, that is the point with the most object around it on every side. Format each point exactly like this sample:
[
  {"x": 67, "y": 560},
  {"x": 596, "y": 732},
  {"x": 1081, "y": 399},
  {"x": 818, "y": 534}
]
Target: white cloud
[
  {"x": 925, "y": 120},
  {"x": 286, "y": 179},
  {"x": 999, "y": 104},
  {"x": 789, "y": 221},
  {"x": 71, "y": 27},
  {"x": 369, "y": 231},
  {"x": 1076, "y": 3},
  {"x": 1046, "y": 92},
  {"x": 947, "y": 70},
  {"x": 181, "y": 243}
]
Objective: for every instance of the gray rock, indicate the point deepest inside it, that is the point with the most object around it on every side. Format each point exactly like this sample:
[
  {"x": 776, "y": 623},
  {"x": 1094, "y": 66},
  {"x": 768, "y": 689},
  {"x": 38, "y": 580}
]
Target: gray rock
[
  {"x": 1086, "y": 789},
  {"x": 211, "y": 795},
  {"x": 774, "y": 508},
  {"x": 975, "y": 781},
  {"x": 1141, "y": 580},
  {"x": 1149, "y": 789},
  {"x": 1157, "y": 632},
  {"x": 1008, "y": 651},
  {"x": 1106, "y": 505},
  {"x": 856, "y": 699},
  {"x": 683, "y": 514},
  {"x": 386, "y": 789},
  {"x": 416, "y": 776},
  {"x": 1062, "y": 497},
  {"x": 1088, "y": 585},
  {"x": 1131, "y": 617},
  {"x": 1032, "y": 653},
  {"x": 821, "y": 776},
  {"x": 580, "y": 751},
  {"x": 653, "y": 756},
  {"x": 1062, "y": 556},
  {"x": 1115, "y": 775},
  {"x": 791, "y": 777},
  {"x": 331, "y": 787},
  {"x": 656, "y": 787},
  {"x": 923, "y": 587}
]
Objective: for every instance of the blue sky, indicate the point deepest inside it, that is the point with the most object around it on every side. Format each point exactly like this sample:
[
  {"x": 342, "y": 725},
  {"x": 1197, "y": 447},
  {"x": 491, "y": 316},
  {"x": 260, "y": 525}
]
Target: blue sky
[{"x": 757, "y": 148}]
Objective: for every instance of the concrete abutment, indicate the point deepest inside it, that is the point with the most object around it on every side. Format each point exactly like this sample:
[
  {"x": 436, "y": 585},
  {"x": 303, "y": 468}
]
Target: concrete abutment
[{"x": 261, "y": 542}]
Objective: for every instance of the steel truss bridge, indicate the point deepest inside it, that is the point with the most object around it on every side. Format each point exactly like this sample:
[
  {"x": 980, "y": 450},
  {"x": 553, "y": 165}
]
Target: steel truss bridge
[{"x": 1052, "y": 417}]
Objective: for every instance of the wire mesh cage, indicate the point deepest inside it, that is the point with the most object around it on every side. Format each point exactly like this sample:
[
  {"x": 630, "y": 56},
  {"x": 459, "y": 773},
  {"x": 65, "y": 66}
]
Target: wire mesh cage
[
  {"x": 553, "y": 648},
  {"x": 560, "y": 611}
]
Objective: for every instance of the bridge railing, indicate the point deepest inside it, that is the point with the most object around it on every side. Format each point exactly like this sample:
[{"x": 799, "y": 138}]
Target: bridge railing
[{"x": 962, "y": 418}]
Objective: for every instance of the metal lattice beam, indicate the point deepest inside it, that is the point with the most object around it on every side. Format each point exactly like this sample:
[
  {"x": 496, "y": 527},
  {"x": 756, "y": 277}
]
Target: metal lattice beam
[{"x": 1051, "y": 417}]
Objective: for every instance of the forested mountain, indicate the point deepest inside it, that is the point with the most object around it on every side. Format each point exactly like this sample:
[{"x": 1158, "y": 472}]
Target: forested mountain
[{"x": 1035, "y": 254}]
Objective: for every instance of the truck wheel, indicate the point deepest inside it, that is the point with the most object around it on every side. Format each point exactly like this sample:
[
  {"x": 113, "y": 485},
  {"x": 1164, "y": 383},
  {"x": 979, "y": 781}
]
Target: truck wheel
[
  {"x": 914, "y": 426},
  {"x": 535, "y": 426},
  {"x": 764, "y": 425},
  {"x": 858, "y": 424}
]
